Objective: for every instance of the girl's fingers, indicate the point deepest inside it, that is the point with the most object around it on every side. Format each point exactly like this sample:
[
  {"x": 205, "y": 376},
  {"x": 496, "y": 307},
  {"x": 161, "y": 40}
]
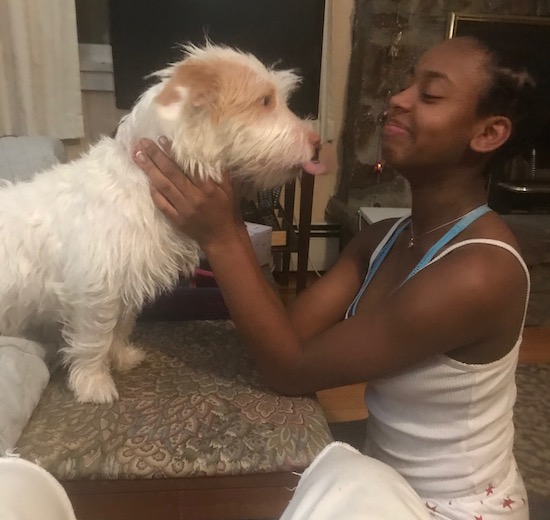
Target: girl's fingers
[
  {"x": 163, "y": 161},
  {"x": 162, "y": 173},
  {"x": 166, "y": 145},
  {"x": 164, "y": 206},
  {"x": 177, "y": 196}
]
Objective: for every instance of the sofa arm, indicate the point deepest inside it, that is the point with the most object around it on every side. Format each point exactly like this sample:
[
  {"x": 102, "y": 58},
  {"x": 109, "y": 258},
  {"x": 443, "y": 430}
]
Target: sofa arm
[{"x": 22, "y": 157}]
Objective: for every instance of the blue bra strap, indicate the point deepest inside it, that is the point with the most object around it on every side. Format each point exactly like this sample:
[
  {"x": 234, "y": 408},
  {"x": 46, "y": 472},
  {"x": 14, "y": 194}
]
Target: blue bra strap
[
  {"x": 463, "y": 223},
  {"x": 376, "y": 264}
]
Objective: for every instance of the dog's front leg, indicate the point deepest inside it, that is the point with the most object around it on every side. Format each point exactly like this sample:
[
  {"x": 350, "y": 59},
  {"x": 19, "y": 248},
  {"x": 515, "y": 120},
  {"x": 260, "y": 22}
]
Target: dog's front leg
[
  {"x": 89, "y": 333},
  {"x": 125, "y": 356}
]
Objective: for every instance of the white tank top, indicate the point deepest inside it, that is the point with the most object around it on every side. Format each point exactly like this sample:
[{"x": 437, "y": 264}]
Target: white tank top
[{"x": 444, "y": 425}]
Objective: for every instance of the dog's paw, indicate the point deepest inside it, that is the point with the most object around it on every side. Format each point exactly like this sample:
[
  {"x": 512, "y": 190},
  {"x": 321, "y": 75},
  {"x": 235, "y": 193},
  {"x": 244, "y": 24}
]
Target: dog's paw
[
  {"x": 126, "y": 357},
  {"x": 96, "y": 387}
]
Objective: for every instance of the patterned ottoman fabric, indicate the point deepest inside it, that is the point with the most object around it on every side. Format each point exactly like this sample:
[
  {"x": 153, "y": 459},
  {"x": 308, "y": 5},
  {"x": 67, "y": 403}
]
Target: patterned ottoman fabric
[{"x": 194, "y": 407}]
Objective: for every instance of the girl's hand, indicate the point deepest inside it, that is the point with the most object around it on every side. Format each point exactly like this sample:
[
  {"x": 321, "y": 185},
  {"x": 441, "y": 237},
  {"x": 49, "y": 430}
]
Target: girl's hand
[{"x": 203, "y": 210}]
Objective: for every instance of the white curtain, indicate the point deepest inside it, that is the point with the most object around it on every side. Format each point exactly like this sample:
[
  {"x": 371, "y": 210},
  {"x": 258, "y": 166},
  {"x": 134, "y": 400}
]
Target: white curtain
[
  {"x": 39, "y": 69},
  {"x": 326, "y": 108}
]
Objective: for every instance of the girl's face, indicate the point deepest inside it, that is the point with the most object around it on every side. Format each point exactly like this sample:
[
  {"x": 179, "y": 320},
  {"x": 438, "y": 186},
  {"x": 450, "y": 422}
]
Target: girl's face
[{"x": 432, "y": 121}]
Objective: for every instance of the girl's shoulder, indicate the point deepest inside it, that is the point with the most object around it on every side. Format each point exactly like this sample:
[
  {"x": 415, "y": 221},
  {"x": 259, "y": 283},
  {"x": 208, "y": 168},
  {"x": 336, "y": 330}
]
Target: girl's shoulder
[
  {"x": 365, "y": 242},
  {"x": 492, "y": 227}
]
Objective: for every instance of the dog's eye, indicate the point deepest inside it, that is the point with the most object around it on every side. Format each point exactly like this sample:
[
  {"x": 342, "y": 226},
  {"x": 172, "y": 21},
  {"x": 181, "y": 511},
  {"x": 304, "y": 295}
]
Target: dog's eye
[{"x": 266, "y": 101}]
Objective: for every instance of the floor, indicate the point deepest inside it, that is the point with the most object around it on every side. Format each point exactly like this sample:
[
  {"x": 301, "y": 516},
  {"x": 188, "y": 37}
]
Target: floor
[{"x": 346, "y": 403}]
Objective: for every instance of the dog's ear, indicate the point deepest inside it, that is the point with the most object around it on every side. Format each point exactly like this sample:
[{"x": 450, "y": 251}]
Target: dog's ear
[{"x": 196, "y": 83}]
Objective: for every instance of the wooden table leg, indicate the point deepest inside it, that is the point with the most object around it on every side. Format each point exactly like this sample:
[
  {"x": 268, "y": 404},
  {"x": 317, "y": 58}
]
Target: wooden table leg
[
  {"x": 304, "y": 230},
  {"x": 288, "y": 215}
]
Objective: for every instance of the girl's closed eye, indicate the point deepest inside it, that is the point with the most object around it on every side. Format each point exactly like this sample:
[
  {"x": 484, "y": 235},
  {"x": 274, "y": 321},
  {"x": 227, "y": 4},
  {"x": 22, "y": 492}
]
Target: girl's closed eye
[{"x": 429, "y": 98}]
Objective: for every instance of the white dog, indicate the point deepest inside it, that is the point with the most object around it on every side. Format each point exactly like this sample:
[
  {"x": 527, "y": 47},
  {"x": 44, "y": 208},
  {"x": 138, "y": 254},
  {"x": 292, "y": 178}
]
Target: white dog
[{"x": 83, "y": 246}]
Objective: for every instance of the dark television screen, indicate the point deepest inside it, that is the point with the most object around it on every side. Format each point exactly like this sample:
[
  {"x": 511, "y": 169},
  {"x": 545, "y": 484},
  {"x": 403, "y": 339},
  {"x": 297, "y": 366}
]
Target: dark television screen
[{"x": 284, "y": 33}]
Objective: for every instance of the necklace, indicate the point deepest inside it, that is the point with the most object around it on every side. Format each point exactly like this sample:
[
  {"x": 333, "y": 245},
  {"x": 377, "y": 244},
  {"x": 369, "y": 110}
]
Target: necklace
[{"x": 414, "y": 238}]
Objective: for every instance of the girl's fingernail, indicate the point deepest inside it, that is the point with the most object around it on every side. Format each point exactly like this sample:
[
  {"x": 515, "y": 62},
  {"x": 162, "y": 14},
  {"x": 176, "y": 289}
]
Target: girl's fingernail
[
  {"x": 140, "y": 156},
  {"x": 163, "y": 140}
]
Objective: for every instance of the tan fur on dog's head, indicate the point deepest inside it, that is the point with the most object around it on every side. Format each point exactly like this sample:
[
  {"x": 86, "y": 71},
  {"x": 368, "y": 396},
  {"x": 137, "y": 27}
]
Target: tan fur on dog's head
[
  {"x": 226, "y": 89},
  {"x": 228, "y": 81},
  {"x": 223, "y": 109}
]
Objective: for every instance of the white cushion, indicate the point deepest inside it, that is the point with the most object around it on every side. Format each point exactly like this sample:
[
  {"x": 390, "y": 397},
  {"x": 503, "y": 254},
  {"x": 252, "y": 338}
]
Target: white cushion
[
  {"x": 28, "y": 492},
  {"x": 22, "y": 157}
]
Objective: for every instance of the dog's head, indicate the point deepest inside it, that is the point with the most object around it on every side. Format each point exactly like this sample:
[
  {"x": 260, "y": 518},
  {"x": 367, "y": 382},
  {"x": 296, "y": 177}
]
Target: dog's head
[{"x": 223, "y": 109}]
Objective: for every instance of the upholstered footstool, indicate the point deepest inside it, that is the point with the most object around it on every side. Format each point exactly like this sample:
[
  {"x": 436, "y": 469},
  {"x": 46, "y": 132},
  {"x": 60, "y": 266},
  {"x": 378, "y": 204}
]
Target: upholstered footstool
[{"x": 195, "y": 433}]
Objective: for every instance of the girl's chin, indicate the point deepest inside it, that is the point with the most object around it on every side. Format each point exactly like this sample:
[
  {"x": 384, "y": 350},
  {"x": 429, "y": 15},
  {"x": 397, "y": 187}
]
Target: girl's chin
[
  {"x": 390, "y": 154},
  {"x": 395, "y": 160}
]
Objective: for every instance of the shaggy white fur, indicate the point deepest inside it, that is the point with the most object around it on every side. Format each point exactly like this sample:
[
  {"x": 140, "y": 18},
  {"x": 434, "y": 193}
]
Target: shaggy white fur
[{"x": 83, "y": 246}]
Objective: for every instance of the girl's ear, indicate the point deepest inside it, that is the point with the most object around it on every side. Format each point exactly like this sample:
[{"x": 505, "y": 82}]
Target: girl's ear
[{"x": 493, "y": 132}]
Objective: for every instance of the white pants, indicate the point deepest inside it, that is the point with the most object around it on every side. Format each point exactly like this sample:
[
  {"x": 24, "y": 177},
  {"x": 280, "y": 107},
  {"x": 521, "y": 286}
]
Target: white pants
[
  {"x": 506, "y": 501},
  {"x": 345, "y": 484}
]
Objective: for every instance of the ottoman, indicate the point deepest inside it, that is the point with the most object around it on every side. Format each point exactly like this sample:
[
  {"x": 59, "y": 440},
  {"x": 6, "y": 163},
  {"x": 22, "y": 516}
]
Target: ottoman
[{"x": 195, "y": 434}]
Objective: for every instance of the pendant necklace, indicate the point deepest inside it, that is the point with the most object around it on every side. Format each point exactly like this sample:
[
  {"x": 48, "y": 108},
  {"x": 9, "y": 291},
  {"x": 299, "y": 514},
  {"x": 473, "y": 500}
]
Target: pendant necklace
[{"x": 414, "y": 238}]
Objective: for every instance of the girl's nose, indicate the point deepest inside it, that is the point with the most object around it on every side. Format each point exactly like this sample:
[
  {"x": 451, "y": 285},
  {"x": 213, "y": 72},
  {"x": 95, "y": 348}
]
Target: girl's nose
[{"x": 401, "y": 99}]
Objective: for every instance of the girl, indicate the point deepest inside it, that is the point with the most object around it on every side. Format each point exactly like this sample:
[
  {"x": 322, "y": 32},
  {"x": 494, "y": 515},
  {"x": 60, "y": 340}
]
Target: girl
[{"x": 428, "y": 309}]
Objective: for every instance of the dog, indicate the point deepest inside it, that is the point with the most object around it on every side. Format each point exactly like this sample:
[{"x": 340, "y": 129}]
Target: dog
[{"x": 82, "y": 244}]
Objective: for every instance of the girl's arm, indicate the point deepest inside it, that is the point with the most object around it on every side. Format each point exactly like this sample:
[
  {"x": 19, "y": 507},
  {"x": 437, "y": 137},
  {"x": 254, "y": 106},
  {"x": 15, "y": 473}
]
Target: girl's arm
[{"x": 457, "y": 302}]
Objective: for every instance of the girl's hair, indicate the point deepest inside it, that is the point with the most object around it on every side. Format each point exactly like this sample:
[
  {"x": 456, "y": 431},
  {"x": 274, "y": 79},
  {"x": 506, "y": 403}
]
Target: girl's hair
[{"x": 512, "y": 92}]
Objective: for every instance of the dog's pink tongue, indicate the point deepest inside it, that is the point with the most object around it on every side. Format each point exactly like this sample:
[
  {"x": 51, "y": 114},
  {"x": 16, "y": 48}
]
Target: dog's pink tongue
[{"x": 314, "y": 167}]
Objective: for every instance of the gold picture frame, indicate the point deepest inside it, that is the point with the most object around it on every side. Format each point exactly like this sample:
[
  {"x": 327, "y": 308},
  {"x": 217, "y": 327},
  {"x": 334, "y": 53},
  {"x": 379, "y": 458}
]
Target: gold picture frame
[{"x": 465, "y": 24}]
